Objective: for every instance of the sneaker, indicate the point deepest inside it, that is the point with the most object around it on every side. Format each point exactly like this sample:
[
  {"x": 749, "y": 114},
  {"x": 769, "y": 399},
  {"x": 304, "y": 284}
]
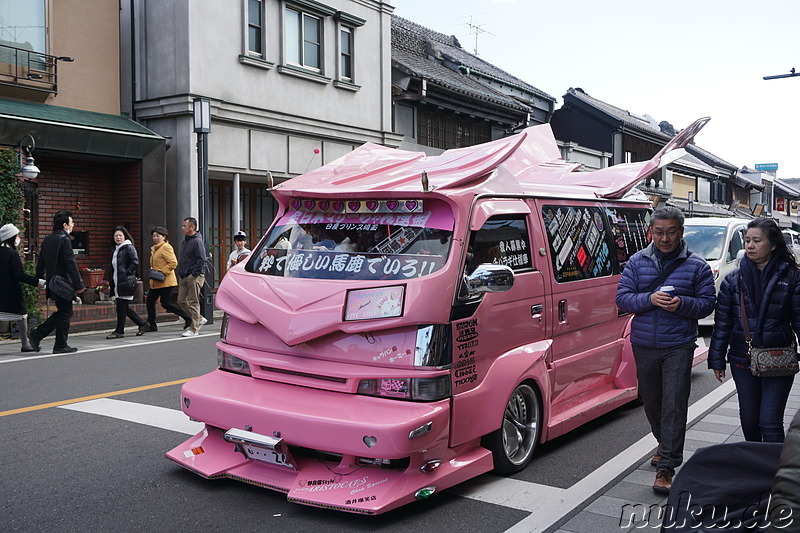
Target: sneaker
[
  {"x": 203, "y": 322},
  {"x": 189, "y": 333},
  {"x": 655, "y": 460},
  {"x": 65, "y": 349},
  {"x": 663, "y": 482}
]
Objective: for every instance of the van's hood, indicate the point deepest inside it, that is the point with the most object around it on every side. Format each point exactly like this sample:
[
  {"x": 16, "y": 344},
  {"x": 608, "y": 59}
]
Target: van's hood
[{"x": 298, "y": 310}]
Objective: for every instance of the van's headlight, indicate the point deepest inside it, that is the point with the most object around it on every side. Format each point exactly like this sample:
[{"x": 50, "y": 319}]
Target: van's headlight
[
  {"x": 419, "y": 389},
  {"x": 231, "y": 363}
]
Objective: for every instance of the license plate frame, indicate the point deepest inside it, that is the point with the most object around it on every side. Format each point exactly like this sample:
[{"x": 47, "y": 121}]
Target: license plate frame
[{"x": 262, "y": 448}]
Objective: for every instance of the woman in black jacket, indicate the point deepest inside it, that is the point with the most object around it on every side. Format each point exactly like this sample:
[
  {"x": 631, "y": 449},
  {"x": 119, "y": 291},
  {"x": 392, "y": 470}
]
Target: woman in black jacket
[
  {"x": 124, "y": 263},
  {"x": 12, "y": 302},
  {"x": 769, "y": 279}
]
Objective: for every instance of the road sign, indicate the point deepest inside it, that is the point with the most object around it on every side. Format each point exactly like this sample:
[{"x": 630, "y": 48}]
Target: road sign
[{"x": 767, "y": 166}]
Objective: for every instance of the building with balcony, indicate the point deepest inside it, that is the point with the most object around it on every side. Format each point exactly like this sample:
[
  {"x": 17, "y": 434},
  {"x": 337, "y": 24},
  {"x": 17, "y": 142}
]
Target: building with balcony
[{"x": 60, "y": 101}]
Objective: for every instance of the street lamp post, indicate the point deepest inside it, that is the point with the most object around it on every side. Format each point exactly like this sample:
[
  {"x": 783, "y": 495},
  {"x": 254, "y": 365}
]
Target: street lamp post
[{"x": 202, "y": 127}]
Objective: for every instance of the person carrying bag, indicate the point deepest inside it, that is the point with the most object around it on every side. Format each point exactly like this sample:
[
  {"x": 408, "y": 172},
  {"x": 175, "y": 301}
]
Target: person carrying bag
[{"x": 756, "y": 322}]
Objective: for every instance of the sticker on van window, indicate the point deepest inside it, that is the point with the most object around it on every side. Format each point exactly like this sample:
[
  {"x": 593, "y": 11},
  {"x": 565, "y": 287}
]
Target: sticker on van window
[{"x": 577, "y": 240}]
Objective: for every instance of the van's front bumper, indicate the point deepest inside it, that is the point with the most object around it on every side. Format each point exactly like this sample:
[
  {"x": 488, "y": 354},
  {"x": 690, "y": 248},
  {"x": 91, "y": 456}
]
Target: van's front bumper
[{"x": 352, "y": 427}]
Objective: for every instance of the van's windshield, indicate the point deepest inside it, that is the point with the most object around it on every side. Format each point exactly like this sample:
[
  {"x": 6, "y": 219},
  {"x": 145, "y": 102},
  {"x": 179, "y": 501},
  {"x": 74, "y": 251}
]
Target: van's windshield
[
  {"x": 706, "y": 241},
  {"x": 356, "y": 246}
]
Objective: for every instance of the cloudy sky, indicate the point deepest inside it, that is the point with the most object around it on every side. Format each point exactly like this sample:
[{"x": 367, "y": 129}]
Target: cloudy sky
[{"x": 673, "y": 60}]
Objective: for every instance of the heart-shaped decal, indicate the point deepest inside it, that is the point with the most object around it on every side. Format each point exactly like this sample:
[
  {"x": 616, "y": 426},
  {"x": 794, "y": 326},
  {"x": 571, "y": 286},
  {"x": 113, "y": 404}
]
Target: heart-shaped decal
[
  {"x": 370, "y": 441},
  {"x": 295, "y": 204},
  {"x": 353, "y": 206},
  {"x": 337, "y": 206},
  {"x": 411, "y": 205},
  {"x": 323, "y": 205},
  {"x": 391, "y": 205},
  {"x": 372, "y": 205},
  {"x": 186, "y": 401},
  {"x": 309, "y": 205}
]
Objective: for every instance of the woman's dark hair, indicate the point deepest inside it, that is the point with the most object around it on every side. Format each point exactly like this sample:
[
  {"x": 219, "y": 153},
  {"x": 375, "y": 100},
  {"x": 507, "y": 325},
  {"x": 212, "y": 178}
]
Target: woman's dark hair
[
  {"x": 11, "y": 242},
  {"x": 124, "y": 231},
  {"x": 161, "y": 230},
  {"x": 775, "y": 238}
]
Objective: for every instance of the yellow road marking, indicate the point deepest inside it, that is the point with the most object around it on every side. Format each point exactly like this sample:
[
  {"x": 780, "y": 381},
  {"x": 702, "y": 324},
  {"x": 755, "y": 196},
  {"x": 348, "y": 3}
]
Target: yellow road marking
[{"x": 93, "y": 397}]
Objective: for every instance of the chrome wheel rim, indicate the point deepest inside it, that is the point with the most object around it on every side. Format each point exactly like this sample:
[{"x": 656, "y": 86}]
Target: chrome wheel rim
[{"x": 520, "y": 425}]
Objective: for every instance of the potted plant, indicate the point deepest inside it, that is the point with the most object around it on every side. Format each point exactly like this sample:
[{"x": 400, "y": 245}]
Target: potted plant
[
  {"x": 103, "y": 289},
  {"x": 92, "y": 276}
]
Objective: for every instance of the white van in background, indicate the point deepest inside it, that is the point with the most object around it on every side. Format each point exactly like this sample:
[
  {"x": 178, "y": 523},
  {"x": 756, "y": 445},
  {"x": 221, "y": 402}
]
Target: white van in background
[
  {"x": 717, "y": 240},
  {"x": 792, "y": 239}
]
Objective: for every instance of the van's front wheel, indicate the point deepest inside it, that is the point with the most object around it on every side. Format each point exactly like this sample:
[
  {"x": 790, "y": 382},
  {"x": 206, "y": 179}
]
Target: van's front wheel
[{"x": 513, "y": 444}]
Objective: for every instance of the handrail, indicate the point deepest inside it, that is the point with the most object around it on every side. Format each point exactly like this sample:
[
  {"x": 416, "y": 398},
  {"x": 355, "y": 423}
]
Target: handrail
[{"x": 20, "y": 67}]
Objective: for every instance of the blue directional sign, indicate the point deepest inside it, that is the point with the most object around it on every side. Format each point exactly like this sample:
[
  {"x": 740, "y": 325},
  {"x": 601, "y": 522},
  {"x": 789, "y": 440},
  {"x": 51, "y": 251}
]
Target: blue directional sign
[{"x": 767, "y": 166}]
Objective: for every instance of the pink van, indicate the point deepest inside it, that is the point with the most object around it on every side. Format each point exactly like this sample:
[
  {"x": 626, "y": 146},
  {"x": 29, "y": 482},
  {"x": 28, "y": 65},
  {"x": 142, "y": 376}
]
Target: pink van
[{"x": 411, "y": 322}]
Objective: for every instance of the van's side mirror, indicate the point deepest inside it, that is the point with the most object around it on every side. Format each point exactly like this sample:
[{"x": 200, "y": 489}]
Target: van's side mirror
[{"x": 487, "y": 278}]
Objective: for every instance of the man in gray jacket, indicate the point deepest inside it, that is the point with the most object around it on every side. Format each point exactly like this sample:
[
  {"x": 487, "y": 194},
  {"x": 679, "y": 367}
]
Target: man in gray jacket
[{"x": 191, "y": 265}]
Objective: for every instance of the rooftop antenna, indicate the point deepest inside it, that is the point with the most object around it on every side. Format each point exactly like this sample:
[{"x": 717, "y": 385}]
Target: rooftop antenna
[
  {"x": 477, "y": 29},
  {"x": 792, "y": 74}
]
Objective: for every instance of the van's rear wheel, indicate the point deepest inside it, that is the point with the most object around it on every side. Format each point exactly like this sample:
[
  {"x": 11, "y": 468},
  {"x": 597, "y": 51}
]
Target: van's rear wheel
[{"x": 513, "y": 444}]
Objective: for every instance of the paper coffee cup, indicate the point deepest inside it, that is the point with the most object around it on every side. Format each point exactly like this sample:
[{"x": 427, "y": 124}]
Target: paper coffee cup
[{"x": 669, "y": 289}]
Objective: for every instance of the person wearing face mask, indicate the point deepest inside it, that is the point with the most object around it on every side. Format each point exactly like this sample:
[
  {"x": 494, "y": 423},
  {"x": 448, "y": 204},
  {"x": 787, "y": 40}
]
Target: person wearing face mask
[
  {"x": 124, "y": 263},
  {"x": 57, "y": 258},
  {"x": 12, "y": 301}
]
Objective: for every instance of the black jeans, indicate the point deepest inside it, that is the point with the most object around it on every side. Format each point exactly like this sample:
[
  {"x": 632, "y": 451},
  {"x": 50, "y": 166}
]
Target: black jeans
[
  {"x": 165, "y": 294},
  {"x": 58, "y": 321},
  {"x": 123, "y": 311}
]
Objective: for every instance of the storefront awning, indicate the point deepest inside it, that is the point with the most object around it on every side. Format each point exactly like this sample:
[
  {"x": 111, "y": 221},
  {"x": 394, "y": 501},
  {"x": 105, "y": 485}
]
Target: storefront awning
[{"x": 76, "y": 131}]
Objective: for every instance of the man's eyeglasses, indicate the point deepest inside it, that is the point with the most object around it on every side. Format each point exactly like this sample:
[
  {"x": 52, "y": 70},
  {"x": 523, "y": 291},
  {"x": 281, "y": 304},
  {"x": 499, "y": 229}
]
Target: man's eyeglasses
[{"x": 671, "y": 233}]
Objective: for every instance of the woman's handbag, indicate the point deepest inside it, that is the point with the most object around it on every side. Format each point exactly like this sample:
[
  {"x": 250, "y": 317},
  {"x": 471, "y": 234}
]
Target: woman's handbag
[
  {"x": 769, "y": 362},
  {"x": 156, "y": 275}
]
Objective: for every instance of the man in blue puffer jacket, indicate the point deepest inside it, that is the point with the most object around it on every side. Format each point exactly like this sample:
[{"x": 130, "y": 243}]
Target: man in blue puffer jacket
[{"x": 664, "y": 331}]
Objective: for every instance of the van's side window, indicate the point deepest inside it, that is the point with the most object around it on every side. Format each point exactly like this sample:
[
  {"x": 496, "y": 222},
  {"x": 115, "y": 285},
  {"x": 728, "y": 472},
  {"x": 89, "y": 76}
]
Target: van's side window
[
  {"x": 629, "y": 231},
  {"x": 737, "y": 243},
  {"x": 503, "y": 240},
  {"x": 578, "y": 237}
]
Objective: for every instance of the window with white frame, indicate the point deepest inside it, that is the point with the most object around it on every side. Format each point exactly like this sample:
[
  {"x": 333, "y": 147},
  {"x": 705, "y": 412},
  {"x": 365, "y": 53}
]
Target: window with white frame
[
  {"x": 255, "y": 27},
  {"x": 23, "y": 24},
  {"x": 346, "y": 53},
  {"x": 303, "y": 39}
]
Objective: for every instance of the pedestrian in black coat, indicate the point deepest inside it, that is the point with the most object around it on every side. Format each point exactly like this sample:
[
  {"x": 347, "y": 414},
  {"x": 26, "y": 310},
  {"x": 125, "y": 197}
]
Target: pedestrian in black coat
[
  {"x": 124, "y": 263},
  {"x": 57, "y": 258},
  {"x": 12, "y": 301}
]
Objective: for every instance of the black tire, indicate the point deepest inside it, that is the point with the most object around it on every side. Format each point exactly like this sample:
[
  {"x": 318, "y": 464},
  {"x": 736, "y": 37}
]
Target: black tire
[{"x": 513, "y": 444}]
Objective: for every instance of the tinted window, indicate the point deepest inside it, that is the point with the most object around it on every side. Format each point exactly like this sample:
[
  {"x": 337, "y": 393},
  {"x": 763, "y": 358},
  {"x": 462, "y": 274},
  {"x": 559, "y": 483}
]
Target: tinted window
[
  {"x": 356, "y": 246},
  {"x": 503, "y": 240}
]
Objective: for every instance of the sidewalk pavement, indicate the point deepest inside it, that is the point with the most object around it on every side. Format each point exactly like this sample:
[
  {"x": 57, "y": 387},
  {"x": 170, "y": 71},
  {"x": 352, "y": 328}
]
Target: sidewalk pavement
[
  {"x": 607, "y": 511},
  {"x": 93, "y": 340}
]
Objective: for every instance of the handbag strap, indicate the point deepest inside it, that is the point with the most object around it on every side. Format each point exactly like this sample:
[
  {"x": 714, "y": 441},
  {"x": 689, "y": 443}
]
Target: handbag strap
[{"x": 665, "y": 274}]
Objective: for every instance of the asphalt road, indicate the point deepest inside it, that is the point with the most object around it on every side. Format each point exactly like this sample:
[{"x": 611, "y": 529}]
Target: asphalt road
[{"x": 66, "y": 469}]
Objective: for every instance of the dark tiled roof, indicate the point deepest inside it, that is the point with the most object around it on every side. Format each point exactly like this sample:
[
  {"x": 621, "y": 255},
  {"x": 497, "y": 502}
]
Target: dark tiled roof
[
  {"x": 629, "y": 119},
  {"x": 412, "y": 48}
]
